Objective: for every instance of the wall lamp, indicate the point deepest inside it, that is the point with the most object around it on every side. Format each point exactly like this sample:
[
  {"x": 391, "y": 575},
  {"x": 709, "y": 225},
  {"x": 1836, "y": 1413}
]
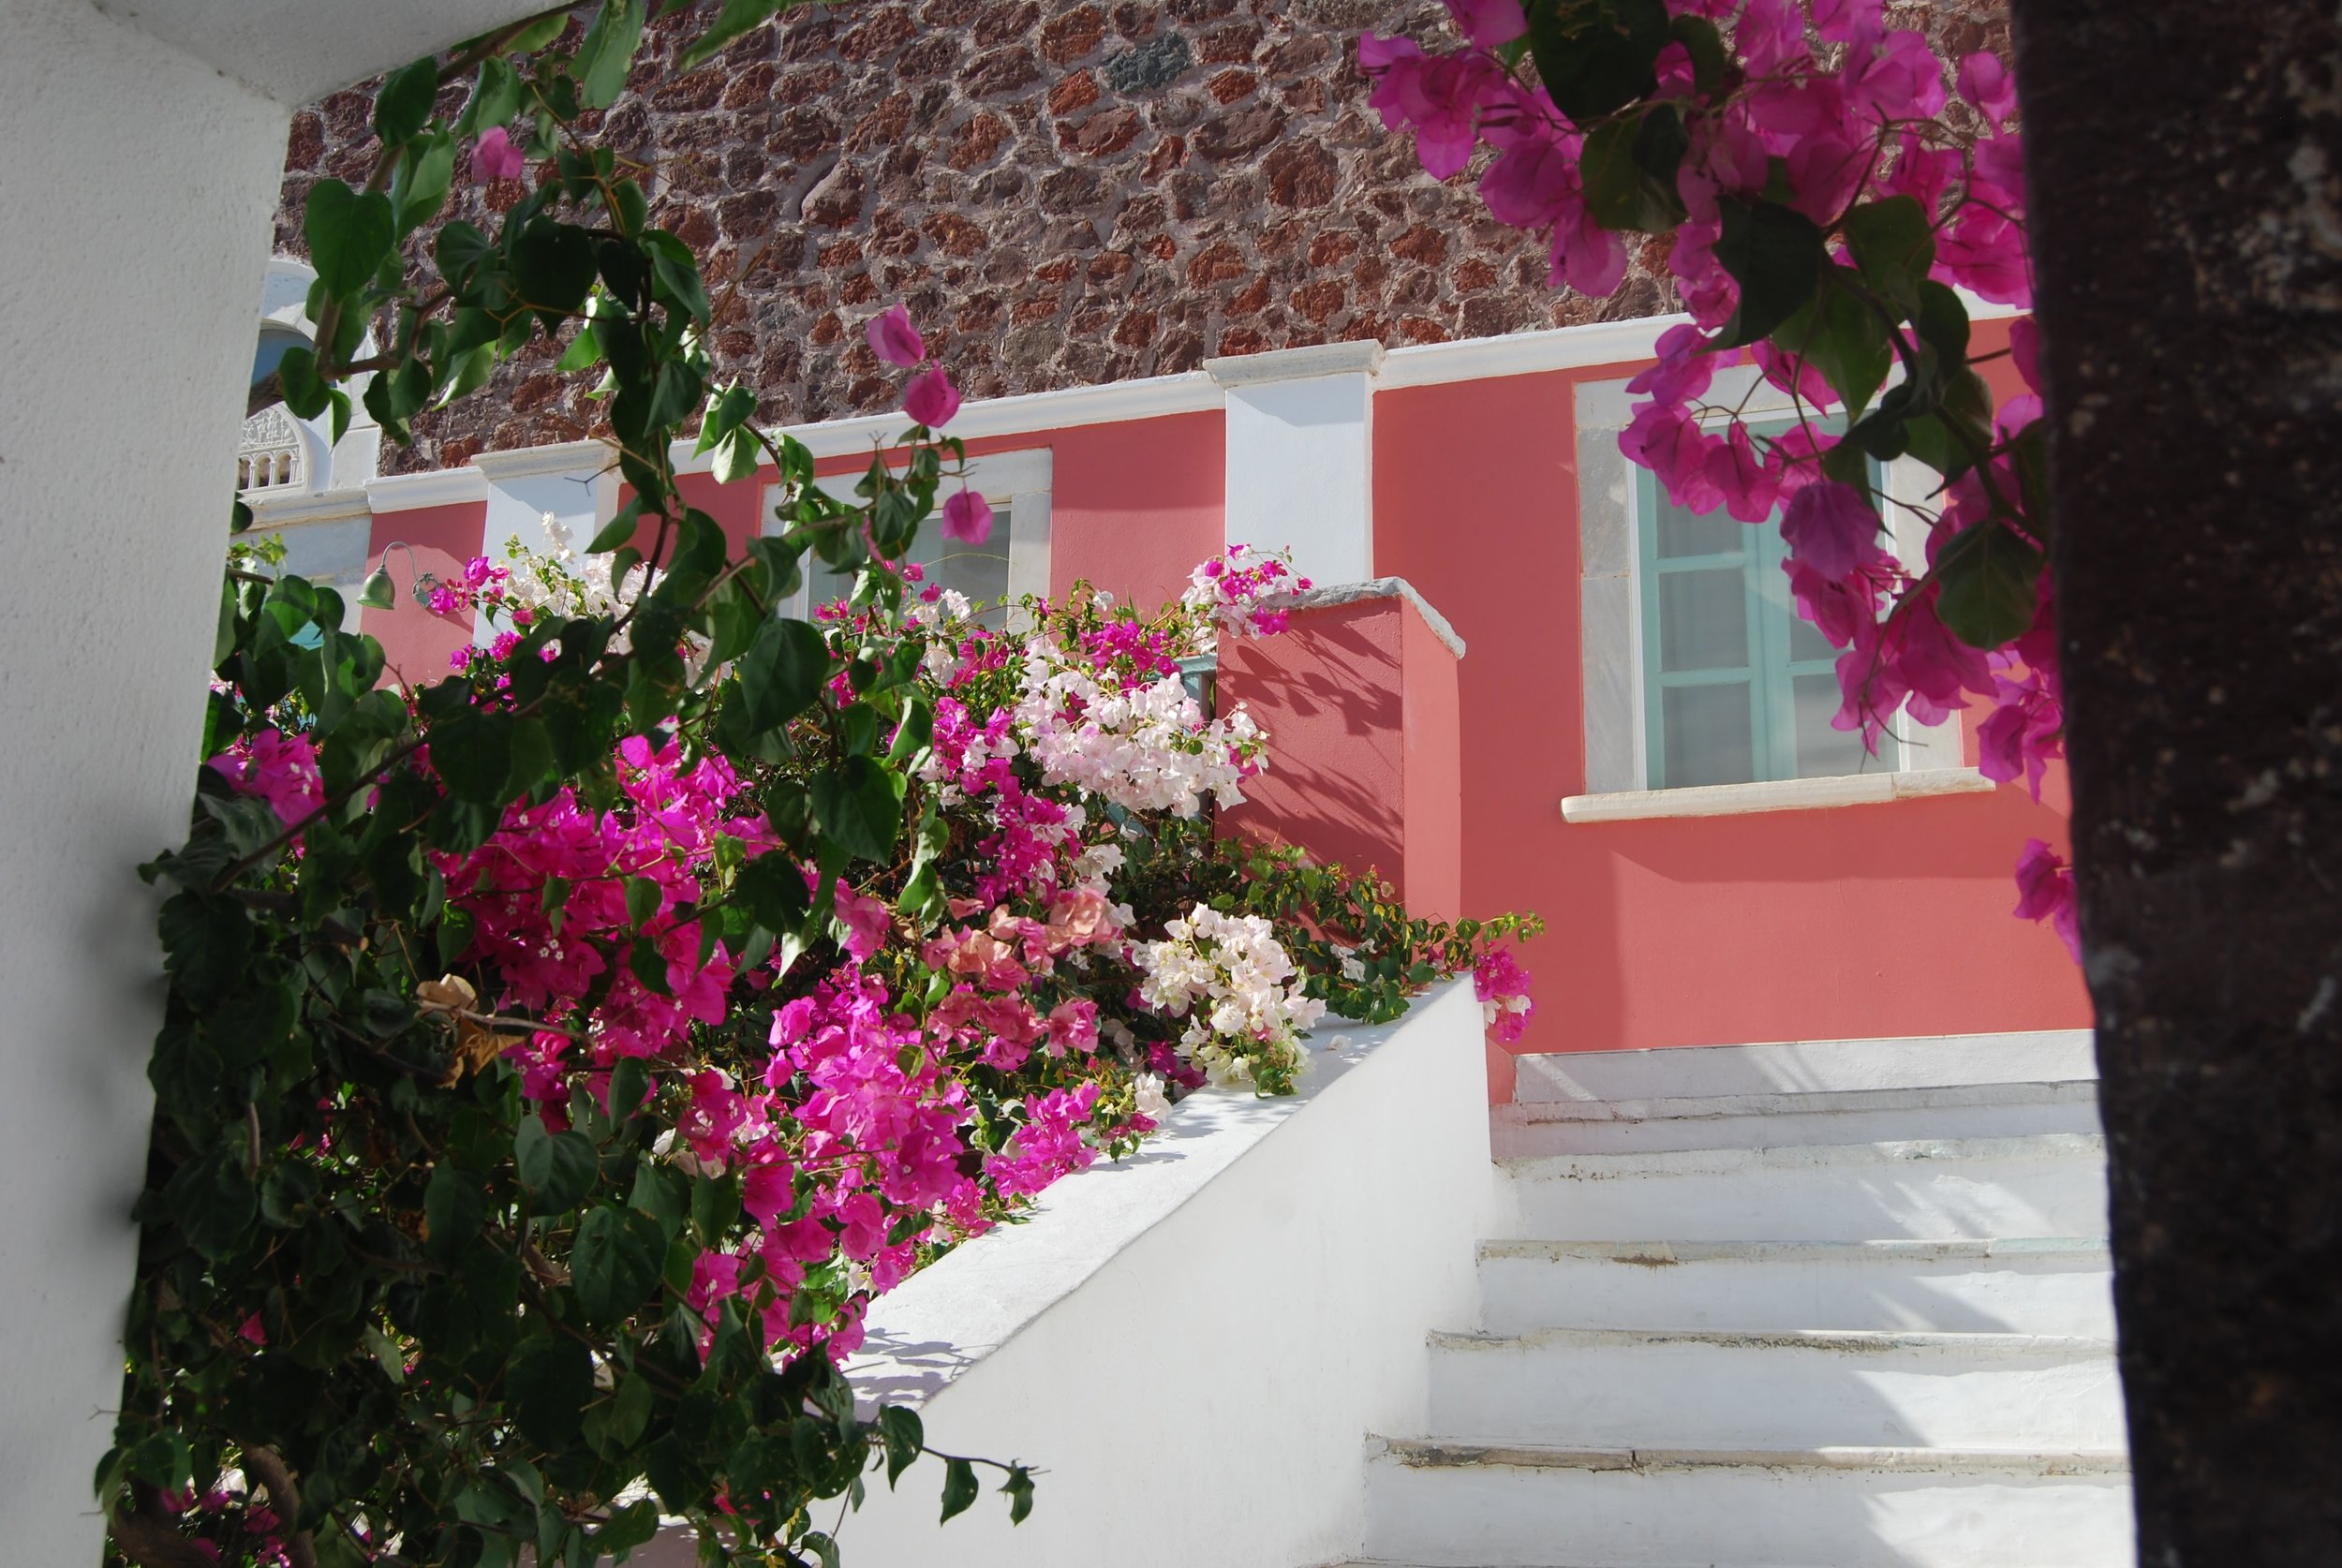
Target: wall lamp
[{"x": 378, "y": 593}]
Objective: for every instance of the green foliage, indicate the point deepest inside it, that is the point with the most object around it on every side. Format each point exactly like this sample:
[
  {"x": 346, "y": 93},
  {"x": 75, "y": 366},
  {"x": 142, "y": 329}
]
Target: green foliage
[{"x": 368, "y": 1268}]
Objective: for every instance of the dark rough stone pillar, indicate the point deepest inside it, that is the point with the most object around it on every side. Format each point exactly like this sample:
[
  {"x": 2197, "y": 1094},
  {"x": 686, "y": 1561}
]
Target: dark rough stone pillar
[{"x": 2185, "y": 163}]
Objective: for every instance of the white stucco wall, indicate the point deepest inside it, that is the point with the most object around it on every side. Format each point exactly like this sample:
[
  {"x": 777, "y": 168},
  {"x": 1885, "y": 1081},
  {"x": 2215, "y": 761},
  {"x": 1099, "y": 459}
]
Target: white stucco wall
[
  {"x": 1193, "y": 1345},
  {"x": 1300, "y": 456},
  {"x": 139, "y": 185}
]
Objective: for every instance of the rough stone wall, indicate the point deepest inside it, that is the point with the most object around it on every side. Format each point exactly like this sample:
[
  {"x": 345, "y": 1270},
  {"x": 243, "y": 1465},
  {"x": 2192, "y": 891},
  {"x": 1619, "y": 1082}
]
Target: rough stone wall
[{"x": 1064, "y": 192}]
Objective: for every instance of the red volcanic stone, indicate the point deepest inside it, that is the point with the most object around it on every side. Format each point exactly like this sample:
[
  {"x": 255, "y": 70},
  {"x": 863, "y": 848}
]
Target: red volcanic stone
[
  {"x": 955, "y": 235},
  {"x": 1135, "y": 329},
  {"x": 1104, "y": 133},
  {"x": 999, "y": 24},
  {"x": 1077, "y": 90},
  {"x": 1248, "y": 300},
  {"x": 1239, "y": 132},
  {"x": 1067, "y": 37},
  {"x": 803, "y": 84},
  {"x": 1231, "y": 85},
  {"x": 1168, "y": 154},
  {"x": 1319, "y": 301},
  {"x": 1300, "y": 174},
  {"x": 974, "y": 142},
  {"x": 1421, "y": 243},
  {"x": 1241, "y": 340},
  {"x": 305, "y": 145},
  {"x": 1216, "y": 263},
  {"x": 835, "y": 201},
  {"x": 1003, "y": 70},
  {"x": 878, "y": 33},
  {"x": 1332, "y": 248}
]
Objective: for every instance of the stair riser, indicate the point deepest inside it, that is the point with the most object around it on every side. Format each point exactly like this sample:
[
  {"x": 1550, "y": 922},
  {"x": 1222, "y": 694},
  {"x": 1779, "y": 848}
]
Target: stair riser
[
  {"x": 1520, "y": 1293},
  {"x": 1681, "y": 1395},
  {"x": 1917, "y": 1066},
  {"x": 1920, "y": 1199},
  {"x": 1503, "y": 1518},
  {"x": 1520, "y": 1132}
]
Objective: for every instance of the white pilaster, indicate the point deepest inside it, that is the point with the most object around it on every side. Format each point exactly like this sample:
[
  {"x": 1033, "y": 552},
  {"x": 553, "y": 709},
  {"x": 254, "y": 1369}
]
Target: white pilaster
[{"x": 1300, "y": 456}]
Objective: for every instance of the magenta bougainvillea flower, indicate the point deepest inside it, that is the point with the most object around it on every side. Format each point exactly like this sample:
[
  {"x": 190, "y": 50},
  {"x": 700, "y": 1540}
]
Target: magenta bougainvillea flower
[
  {"x": 968, "y": 518},
  {"x": 894, "y": 339},
  {"x": 495, "y": 157},
  {"x": 932, "y": 399}
]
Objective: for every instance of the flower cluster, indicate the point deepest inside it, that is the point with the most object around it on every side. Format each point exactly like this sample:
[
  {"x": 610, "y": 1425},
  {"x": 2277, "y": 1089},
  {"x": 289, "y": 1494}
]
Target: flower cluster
[
  {"x": 1239, "y": 589},
  {"x": 1503, "y": 987},
  {"x": 1230, "y": 978},
  {"x": 1843, "y": 134}
]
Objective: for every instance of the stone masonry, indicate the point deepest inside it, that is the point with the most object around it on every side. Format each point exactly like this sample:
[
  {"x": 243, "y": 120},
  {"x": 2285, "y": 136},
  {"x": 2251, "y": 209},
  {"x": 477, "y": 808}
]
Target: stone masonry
[{"x": 1064, "y": 192}]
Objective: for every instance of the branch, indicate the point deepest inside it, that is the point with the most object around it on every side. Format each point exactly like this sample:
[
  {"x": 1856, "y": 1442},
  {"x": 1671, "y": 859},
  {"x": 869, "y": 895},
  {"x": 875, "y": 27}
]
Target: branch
[
  {"x": 263, "y": 1465},
  {"x": 149, "y": 1537}
]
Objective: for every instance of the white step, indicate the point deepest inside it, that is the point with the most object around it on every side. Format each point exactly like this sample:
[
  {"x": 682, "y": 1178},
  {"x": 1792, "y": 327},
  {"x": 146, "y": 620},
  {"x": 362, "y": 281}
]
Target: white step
[
  {"x": 1631, "y": 1388},
  {"x": 1528, "y": 1129},
  {"x": 1807, "y": 1067},
  {"x": 2049, "y": 1185},
  {"x": 2031, "y": 1286},
  {"x": 1449, "y": 1506}
]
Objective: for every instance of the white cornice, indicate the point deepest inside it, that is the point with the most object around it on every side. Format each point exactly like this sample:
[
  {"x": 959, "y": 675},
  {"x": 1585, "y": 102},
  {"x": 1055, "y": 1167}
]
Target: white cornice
[
  {"x": 1295, "y": 364},
  {"x": 1475, "y": 359},
  {"x": 286, "y": 509},
  {"x": 1374, "y": 587},
  {"x": 566, "y": 457},
  {"x": 1785, "y": 794},
  {"x": 439, "y": 487}
]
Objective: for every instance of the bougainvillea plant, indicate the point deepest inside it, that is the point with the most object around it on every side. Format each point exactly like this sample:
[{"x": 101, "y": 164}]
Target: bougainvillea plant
[
  {"x": 1826, "y": 186},
  {"x": 560, "y": 1055}
]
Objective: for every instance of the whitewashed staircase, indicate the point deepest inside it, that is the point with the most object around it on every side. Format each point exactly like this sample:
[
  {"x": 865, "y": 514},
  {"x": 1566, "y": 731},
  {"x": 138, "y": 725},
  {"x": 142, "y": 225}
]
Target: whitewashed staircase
[{"x": 1839, "y": 1305}]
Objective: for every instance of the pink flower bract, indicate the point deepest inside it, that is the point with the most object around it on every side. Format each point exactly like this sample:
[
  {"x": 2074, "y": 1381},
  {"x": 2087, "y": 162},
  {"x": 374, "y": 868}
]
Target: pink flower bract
[
  {"x": 894, "y": 339},
  {"x": 968, "y": 518},
  {"x": 932, "y": 399},
  {"x": 495, "y": 157}
]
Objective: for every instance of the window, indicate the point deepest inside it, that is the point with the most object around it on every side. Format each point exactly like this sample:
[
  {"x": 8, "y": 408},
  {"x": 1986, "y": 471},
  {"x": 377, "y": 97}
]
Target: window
[
  {"x": 1012, "y": 562},
  {"x": 1737, "y": 686}
]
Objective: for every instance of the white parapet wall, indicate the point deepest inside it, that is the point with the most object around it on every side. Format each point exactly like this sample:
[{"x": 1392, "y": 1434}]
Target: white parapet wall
[{"x": 1191, "y": 1344}]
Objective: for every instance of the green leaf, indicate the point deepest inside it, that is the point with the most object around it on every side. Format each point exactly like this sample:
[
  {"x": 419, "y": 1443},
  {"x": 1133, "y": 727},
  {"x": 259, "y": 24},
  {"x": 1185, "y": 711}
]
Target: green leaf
[
  {"x": 349, "y": 233},
  {"x": 1892, "y": 246},
  {"x": 495, "y": 97},
  {"x": 735, "y": 19},
  {"x": 1776, "y": 255},
  {"x": 1705, "y": 45},
  {"x": 206, "y": 943},
  {"x": 615, "y": 1262},
  {"x": 627, "y": 1528},
  {"x": 630, "y": 1080},
  {"x": 1630, "y": 168},
  {"x": 473, "y": 754},
  {"x": 676, "y": 271},
  {"x": 774, "y": 890},
  {"x": 419, "y": 185},
  {"x": 644, "y": 896},
  {"x": 557, "y": 1168},
  {"x": 455, "y": 1209},
  {"x": 607, "y": 52},
  {"x": 899, "y": 1428},
  {"x": 554, "y": 267},
  {"x": 726, "y": 411},
  {"x": 1844, "y": 338},
  {"x": 1596, "y": 57},
  {"x": 859, "y": 806},
  {"x": 548, "y": 1381},
  {"x": 1987, "y": 579},
  {"x": 1019, "y": 1489},
  {"x": 959, "y": 1486},
  {"x": 781, "y": 674},
  {"x": 402, "y": 105}
]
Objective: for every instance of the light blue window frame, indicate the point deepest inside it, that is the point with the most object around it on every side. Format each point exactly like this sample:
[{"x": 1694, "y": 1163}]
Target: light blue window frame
[{"x": 1775, "y": 657}]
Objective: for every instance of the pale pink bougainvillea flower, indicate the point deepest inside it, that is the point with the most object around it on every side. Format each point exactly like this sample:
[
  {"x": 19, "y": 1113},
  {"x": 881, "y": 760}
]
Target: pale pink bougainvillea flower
[
  {"x": 968, "y": 518},
  {"x": 932, "y": 399},
  {"x": 894, "y": 339},
  {"x": 2045, "y": 890},
  {"x": 495, "y": 157}
]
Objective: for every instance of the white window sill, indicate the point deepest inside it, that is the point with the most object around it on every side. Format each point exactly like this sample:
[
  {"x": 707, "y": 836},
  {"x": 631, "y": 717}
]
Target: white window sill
[{"x": 1785, "y": 794}]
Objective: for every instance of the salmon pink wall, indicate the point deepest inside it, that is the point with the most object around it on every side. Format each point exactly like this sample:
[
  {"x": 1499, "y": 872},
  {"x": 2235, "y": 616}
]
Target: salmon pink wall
[
  {"x": 1879, "y": 919},
  {"x": 415, "y": 642},
  {"x": 1359, "y": 704},
  {"x": 1135, "y": 507}
]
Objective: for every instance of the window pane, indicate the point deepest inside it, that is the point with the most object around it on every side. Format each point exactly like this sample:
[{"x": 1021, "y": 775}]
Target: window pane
[
  {"x": 1686, "y": 533},
  {"x": 1707, "y": 735},
  {"x": 1703, "y": 620},
  {"x": 978, "y": 570},
  {"x": 1805, "y": 642},
  {"x": 1823, "y": 752}
]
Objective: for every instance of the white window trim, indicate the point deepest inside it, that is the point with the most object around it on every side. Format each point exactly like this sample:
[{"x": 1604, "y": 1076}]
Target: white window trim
[
  {"x": 1929, "y": 761},
  {"x": 1018, "y": 482}
]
